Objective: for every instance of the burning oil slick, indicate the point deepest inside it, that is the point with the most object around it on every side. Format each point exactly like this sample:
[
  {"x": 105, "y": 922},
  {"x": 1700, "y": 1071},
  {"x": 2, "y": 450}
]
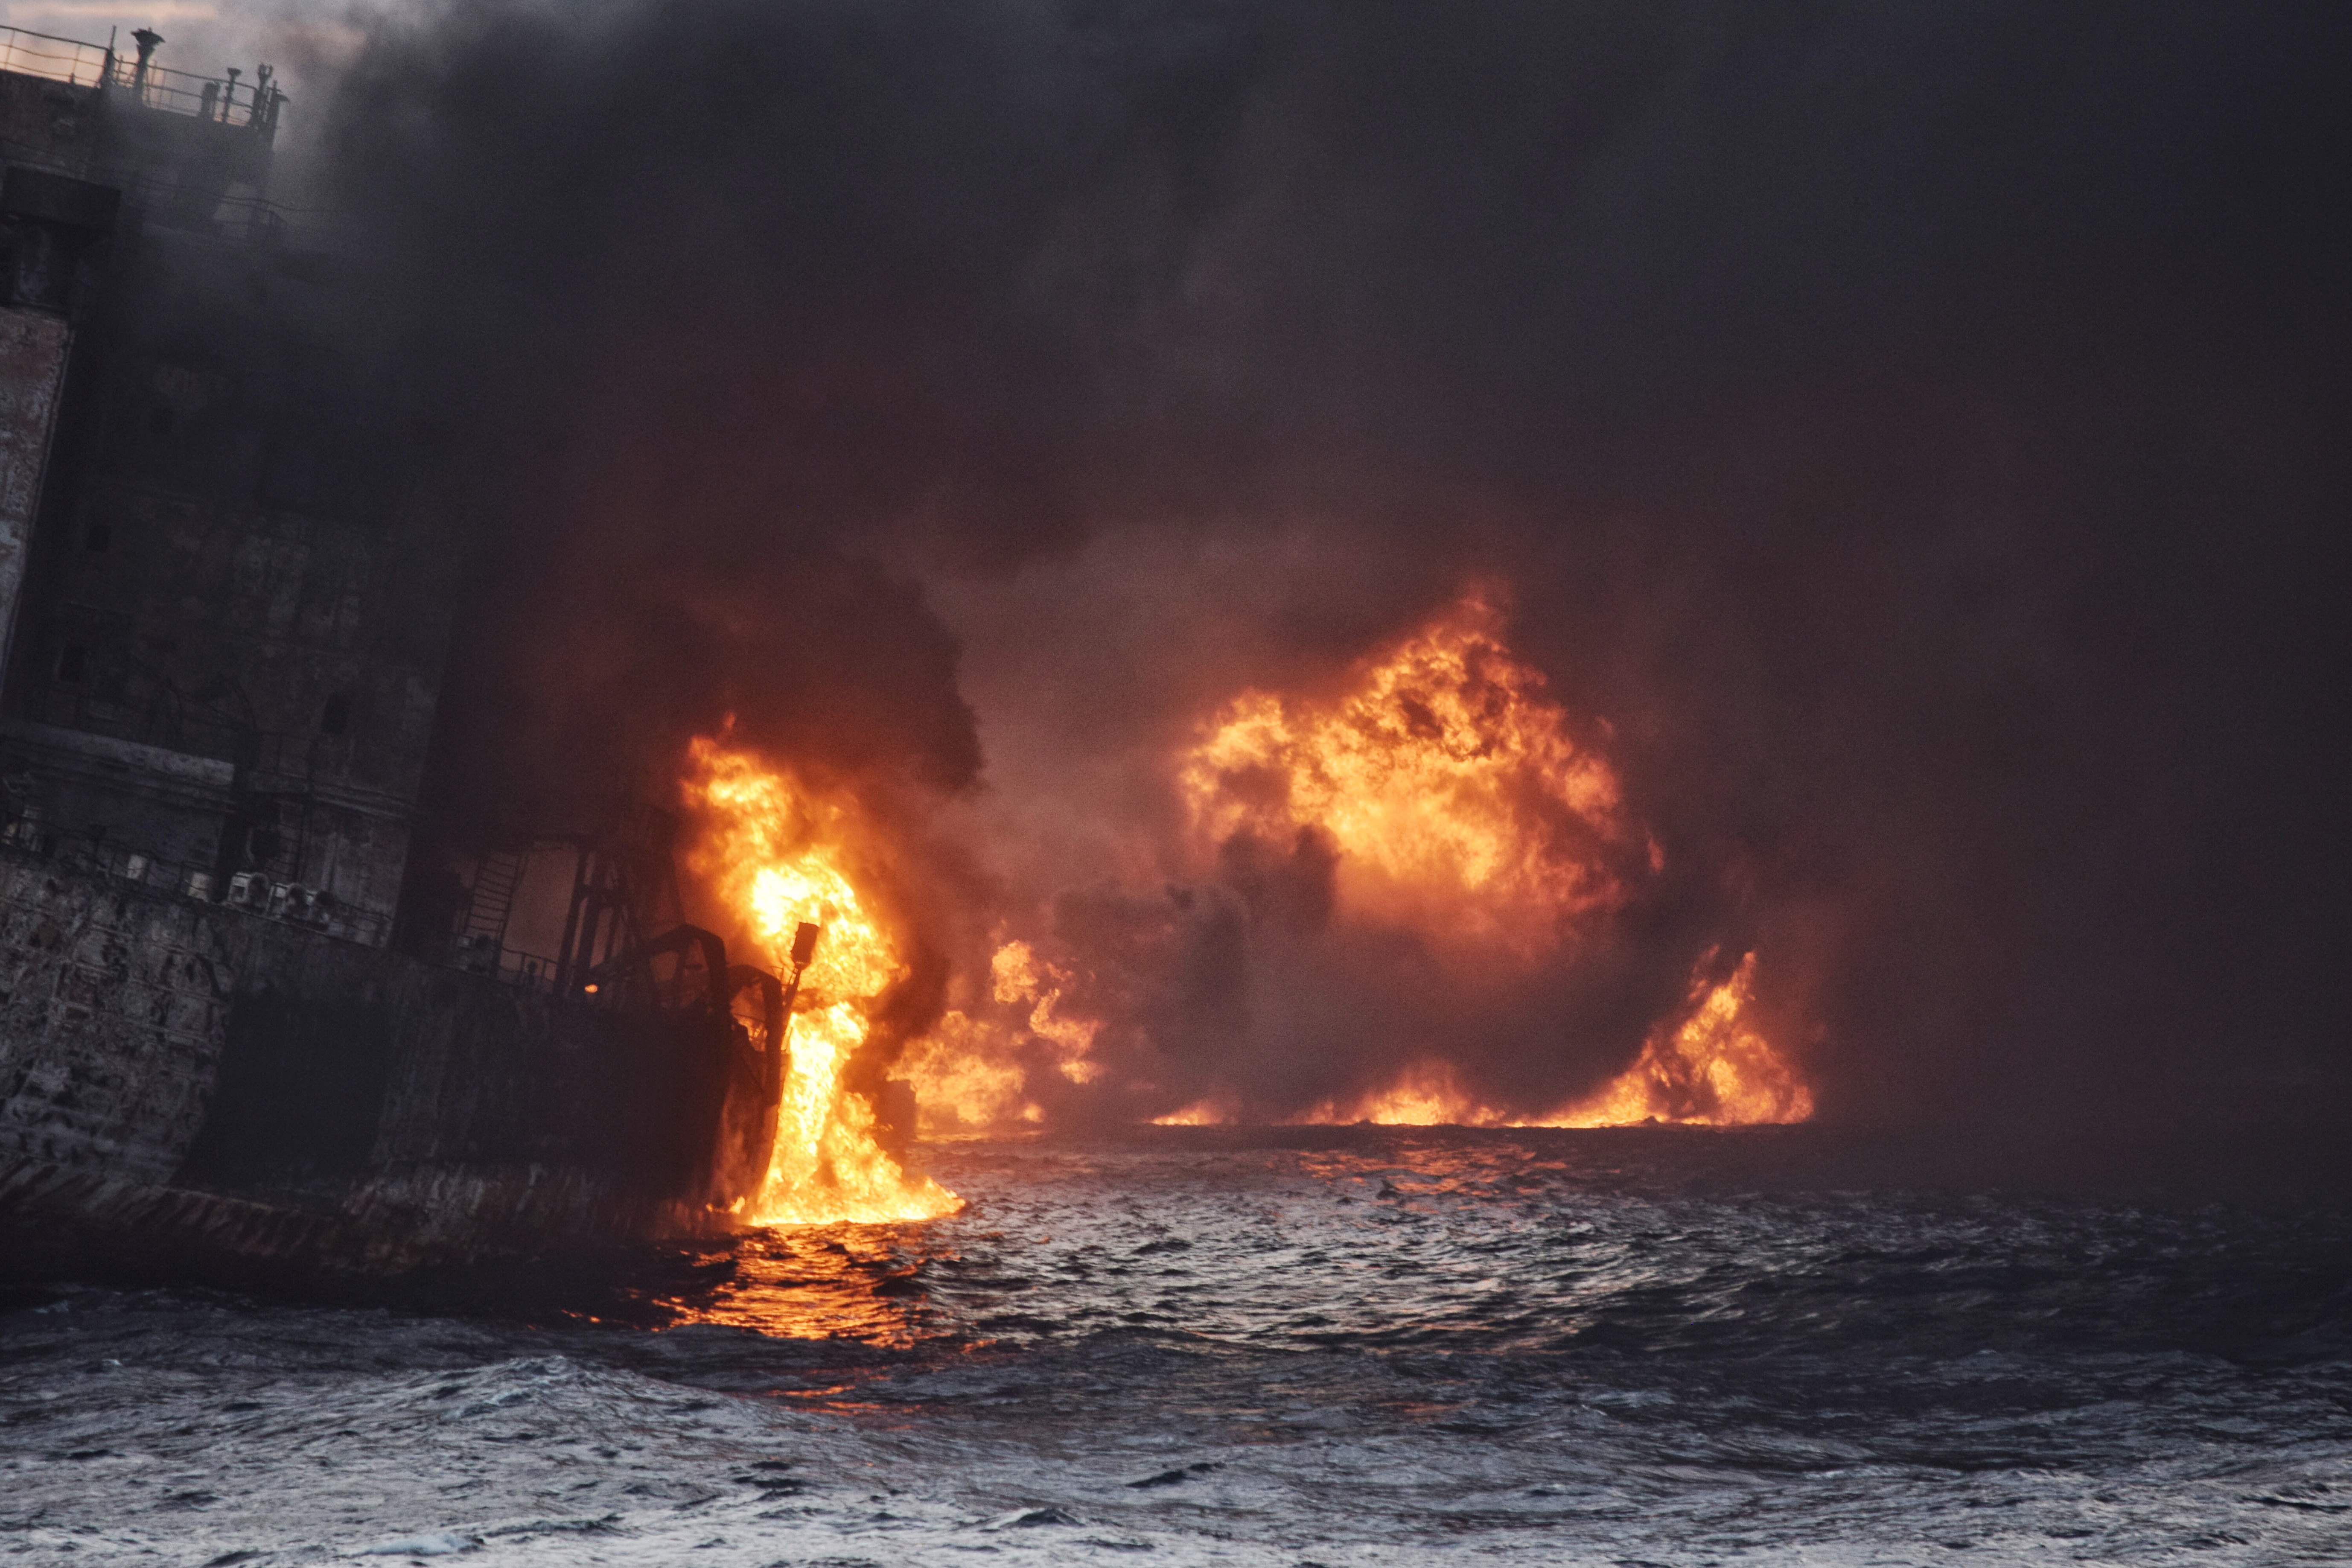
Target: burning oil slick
[
  {"x": 1431, "y": 832},
  {"x": 1432, "y": 825}
]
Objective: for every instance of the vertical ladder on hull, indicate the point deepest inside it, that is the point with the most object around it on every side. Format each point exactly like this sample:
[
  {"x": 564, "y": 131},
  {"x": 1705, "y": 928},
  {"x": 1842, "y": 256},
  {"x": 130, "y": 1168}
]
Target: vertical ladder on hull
[{"x": 495, "y": 877}]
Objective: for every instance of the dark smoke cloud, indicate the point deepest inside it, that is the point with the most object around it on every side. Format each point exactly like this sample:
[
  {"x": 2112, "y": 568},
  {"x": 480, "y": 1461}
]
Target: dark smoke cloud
[{"x": 1917, "y": 431}]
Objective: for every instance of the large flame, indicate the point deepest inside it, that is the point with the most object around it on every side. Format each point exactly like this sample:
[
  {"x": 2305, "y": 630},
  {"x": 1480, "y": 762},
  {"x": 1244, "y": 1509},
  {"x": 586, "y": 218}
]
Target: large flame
[
  {"x": 966, "y": 1075},
  {"x": 776, "y": 853},
  {"x": 1456, "y": 805},
  {"x": 1710, "y": 1067},
  {"x": 968, "y": 1080},
  {"x": 1440, "y": 792},
  {"x": 1447, "y": 783},
  {"x": 1021, "y": 978}
]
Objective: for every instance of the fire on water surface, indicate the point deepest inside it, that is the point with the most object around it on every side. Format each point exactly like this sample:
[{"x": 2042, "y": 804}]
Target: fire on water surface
[
  {"x": 774, "y": 853},
  {"x": 1452, "y": 800},
  {"x": 1460, "y": 806},
  {"x": 1712, "y": 1068}
]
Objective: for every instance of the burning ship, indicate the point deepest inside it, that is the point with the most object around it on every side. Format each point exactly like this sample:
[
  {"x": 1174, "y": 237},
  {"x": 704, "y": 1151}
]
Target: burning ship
[
  {"x": 239, "y": 1022},
  {"x": 255, "y": 1006}
]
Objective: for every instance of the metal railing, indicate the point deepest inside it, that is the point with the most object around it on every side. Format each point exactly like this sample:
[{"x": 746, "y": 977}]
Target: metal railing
[
  {"x": 254, "y": 105},
  {"x": 486, "y": 956},
  {"x": 225, "y": 99},
  {"x": 253, "y": 892},
  {"x": 45, "y": 55}
]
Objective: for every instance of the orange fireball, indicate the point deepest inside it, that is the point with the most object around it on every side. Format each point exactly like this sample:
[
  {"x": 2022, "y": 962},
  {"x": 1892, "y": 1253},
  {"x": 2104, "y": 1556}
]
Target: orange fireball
[
  {"x": 1459, "y": 806},
  {"x": 1446, "y": 781},
  {"x": 777, "y": 854}
]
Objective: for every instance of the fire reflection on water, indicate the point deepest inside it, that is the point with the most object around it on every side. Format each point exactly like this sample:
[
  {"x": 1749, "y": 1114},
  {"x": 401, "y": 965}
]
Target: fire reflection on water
[{"x": 860, "y": 1282}]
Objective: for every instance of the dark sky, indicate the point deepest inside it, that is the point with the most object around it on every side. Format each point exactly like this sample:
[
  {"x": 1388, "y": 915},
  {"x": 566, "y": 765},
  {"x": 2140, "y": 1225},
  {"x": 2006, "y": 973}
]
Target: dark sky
[{"x": 1918, "y": 431}]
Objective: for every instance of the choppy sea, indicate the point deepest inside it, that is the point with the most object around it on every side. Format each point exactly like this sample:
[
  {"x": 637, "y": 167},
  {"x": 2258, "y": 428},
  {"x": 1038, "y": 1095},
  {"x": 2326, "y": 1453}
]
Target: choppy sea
[{"x": 1323, "y": 1347}]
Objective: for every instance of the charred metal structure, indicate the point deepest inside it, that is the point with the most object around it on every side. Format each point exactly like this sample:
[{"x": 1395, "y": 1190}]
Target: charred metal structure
[{"x": 224, "y": 609}]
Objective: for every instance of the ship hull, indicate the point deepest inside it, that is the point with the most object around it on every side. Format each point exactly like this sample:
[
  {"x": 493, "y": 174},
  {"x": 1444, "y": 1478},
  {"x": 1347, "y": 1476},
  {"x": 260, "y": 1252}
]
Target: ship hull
[{"x": 194, "y": 1089}]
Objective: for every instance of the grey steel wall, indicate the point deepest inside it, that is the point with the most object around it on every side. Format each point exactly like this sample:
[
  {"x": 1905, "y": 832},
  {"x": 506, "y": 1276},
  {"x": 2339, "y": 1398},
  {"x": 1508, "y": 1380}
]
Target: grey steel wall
[
  {"x": 232, "y": 562},
  {"x": 34, "y": 346},
  {"x": 159, "y": 1038}
]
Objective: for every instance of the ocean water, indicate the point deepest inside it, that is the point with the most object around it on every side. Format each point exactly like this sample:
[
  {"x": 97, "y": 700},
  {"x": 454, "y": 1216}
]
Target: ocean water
[{"x": 1327, "y": 1346}]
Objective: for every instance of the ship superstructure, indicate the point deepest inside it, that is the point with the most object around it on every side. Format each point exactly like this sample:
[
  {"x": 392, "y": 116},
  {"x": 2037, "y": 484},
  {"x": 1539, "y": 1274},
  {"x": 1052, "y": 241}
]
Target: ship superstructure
[{"x": 226, "y": 584}]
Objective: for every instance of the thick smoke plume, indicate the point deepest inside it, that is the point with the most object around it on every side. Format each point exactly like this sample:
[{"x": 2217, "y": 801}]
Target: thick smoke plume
[{"x": 1913, "y": 434}]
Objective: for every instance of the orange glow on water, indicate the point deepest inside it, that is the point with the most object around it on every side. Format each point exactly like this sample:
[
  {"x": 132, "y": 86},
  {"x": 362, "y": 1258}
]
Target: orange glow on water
[
  {"x": 819, "y": 1282},
  {"x": 778, "y": 855}
]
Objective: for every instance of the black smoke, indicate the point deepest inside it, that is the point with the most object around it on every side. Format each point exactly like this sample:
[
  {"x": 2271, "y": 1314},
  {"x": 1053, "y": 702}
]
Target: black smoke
[{"x": 1917, "y": 431}]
